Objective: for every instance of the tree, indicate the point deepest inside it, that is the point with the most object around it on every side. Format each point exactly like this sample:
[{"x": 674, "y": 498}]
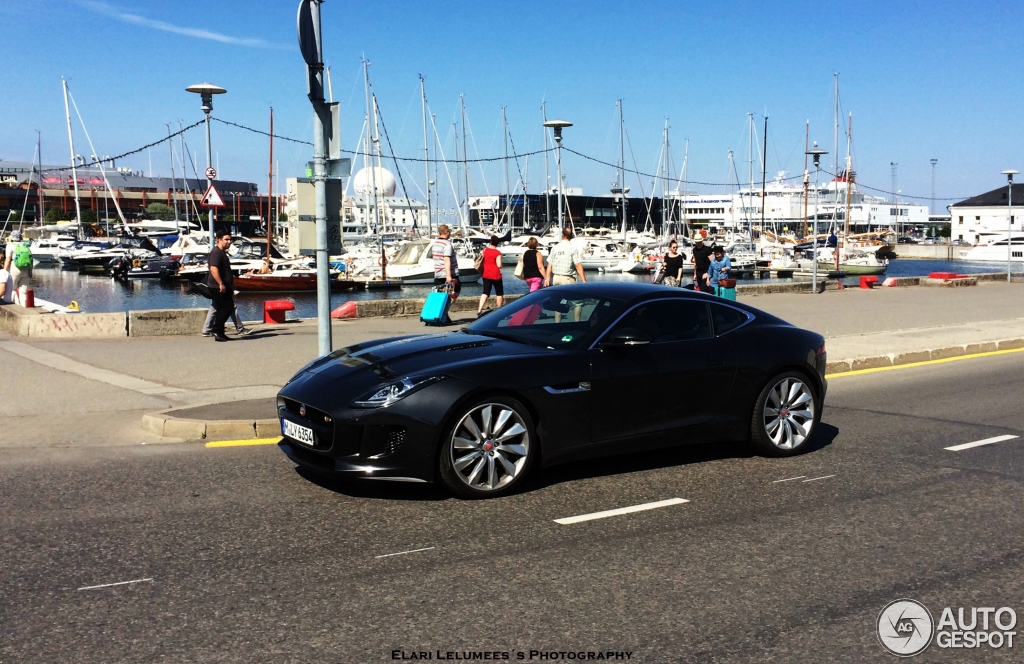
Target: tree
[
  {"x": 228, "y": 218},
  {"x": 160, "y": 211},
  {"x": 15, "y": 216},
  {"x": 89, "y": 217},
  {"x": 55, "y": 214}
]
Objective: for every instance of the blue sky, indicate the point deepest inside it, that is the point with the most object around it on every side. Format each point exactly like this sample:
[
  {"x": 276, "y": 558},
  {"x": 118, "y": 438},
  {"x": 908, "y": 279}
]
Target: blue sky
[{"x": 923, "y": 80}]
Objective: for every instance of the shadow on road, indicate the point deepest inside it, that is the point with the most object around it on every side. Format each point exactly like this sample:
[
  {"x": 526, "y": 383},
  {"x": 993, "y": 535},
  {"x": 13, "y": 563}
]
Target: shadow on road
[
  {"x": 822, "y": 437},
  {"x": 669, "y": 457}
]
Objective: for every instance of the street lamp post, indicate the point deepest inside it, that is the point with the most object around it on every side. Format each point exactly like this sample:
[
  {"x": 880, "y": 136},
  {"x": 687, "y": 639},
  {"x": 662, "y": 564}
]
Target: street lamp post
[
  {"x": 816, "y": 153},
  {"x": 558, "y": 125},
  {"x": 931, "y": 210},
  {"x": 1009, "y": 220},
  {"x": 206, "y": 91}
]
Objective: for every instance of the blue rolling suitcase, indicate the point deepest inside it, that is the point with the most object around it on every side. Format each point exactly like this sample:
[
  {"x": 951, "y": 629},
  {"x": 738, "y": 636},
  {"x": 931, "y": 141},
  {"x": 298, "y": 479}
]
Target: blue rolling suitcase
[{"x": 435, "y": 309}]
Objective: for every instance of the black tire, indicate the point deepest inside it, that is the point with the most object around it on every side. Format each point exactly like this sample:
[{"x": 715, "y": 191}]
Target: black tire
[
  {"x": 785, "y": 431},
  {"x": 478, "y": 466}
]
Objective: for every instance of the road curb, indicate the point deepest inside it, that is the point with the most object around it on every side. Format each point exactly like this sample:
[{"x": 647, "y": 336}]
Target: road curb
[
  {"x": 163, "y": 423},
  {"x": 913, "y": 357}
]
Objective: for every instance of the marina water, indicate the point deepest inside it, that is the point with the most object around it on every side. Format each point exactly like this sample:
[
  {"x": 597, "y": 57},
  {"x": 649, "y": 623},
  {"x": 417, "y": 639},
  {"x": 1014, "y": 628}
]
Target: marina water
[{"x": 98, "y": 293}]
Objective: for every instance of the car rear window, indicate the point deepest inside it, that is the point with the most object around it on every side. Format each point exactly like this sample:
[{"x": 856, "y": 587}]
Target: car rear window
[{"x": 727, "y": 318}]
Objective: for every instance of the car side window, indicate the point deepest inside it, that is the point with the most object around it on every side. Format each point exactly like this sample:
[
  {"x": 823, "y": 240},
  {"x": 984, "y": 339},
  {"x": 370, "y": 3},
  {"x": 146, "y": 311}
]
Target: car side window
[
  {"x": 665, "y": 321},
  {"x": 726, "y": 318}
]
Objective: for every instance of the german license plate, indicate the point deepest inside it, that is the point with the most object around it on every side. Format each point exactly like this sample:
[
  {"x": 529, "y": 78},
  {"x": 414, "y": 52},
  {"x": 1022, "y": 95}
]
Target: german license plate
[{"x": 297, "y": 432}]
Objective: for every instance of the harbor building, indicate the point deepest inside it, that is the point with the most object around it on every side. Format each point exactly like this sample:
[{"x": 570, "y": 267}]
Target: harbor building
[
  {"x": 973, "y": 219},
  {"x": 24, "y": 186}
]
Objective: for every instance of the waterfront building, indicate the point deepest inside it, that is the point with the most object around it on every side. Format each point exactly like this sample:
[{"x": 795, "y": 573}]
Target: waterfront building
[
  {"x": 133, "y": 191},
  {"x": 973, "y": 219}
]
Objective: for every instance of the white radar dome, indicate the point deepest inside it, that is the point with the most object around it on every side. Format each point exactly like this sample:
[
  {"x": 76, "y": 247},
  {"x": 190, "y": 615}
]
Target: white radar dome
[{"x": 383, "y": 181}]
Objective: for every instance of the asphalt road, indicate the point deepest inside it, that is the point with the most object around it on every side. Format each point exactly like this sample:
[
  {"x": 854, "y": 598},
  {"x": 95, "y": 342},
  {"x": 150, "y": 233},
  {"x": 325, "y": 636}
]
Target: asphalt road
[{"x": 239, "y": 558}]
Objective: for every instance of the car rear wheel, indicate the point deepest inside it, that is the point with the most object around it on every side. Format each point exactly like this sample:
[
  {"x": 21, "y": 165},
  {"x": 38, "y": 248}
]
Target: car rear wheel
[
  {"x": 490, "y": 448},
  {"x": 785, "y": 415}
]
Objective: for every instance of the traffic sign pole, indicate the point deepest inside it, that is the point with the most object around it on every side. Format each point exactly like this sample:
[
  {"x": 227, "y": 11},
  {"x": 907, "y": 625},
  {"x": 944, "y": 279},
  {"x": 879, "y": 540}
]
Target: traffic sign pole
[{"x": 312, "y": 52}]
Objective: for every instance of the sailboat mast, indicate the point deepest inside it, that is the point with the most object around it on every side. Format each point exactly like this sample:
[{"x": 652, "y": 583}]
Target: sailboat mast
[
  {"x": 547, "y": 176},
  {"x": 71, "y": 146},
  {"x": 426, "y": 152},
  {"x": 686, "y": 163},
  {"x": 764, "y": 171},
  {"x": 368, "y": 174},
  {"x": 184, "y": 174},
  {"x": 622, "y": 171},
  {"x": 39, "y": 151},
  {"x": 807, "y": 146},
  {"x": 465, "y": 156},
  {"x": 378, "y": 213},
  {"x": 849, "y": 184},
  {"x": 508, "y": 206},
  {"x": 270, "y": 184},
  {"x": 170, "y": 152}
]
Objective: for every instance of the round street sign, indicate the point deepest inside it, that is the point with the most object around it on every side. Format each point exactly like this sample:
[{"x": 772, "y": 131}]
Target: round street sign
[{"x": 211, "y": 173}]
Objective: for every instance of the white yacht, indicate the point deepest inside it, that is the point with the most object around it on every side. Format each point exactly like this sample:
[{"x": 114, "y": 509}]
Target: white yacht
[
  {"x": 413, "y": 264},
  {"x": 995, "y": 248}
]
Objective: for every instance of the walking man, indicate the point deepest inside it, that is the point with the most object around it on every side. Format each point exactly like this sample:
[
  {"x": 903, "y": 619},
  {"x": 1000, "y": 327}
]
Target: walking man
[
  {"x": 563, "y": 258},
  {"x": 18, "y": 261},
  {"x": 701, "y": 260},
  {"x": 221, "y": 282},
  {"x": 446, "y": 263}
]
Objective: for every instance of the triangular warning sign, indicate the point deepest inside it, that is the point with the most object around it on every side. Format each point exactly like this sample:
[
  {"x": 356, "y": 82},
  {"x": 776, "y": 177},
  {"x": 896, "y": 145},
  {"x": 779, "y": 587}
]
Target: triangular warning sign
[{"x": 212, "y": 198}]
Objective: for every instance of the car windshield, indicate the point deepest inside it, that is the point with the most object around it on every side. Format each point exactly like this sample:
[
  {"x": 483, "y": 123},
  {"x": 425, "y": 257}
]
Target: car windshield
[{"x": 550, "y": 317}]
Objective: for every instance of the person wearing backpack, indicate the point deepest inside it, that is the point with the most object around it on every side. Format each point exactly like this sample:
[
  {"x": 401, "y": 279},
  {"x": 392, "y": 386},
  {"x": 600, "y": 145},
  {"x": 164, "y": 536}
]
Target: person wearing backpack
[{"x": 18, "y": 260}]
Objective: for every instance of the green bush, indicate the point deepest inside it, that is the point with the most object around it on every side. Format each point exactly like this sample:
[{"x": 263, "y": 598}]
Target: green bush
[{"x": 160, "y": 211}]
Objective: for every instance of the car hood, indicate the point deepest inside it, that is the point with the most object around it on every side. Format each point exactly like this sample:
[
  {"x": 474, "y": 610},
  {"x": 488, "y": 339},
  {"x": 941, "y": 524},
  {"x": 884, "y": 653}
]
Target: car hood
[{"x": 371, "y": 363}]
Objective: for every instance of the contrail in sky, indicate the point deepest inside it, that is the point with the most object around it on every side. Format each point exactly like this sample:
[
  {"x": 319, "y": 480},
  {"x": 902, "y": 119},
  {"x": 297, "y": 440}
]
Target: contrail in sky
[{"x": 199, "y": 33}]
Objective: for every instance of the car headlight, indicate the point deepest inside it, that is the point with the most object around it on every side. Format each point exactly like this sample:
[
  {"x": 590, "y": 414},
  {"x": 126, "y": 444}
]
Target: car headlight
[{"x": 385, "y": 395}]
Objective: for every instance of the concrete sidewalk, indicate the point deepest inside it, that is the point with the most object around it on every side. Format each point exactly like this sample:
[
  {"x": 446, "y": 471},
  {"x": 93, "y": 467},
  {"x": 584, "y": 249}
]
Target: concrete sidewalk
[{"x": 68, "y": 382}]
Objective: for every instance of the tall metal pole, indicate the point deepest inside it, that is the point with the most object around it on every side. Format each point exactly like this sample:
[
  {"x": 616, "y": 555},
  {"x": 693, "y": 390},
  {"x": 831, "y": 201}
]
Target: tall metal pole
[
  {"x": 508, "y": 192},
  {"x": 622, "y": 173},
  {"x": 209, "y": 162},
  {"x": 320, "y": 114},
  {"x": 465, "y": 156},
  {"x": 558, "y": 164},
  {"x": 764, "y": 173},
  {"x": 931, "y": 210},
  {"x": 184, "y": 175},
  {"x": 1009, "y": 220}
]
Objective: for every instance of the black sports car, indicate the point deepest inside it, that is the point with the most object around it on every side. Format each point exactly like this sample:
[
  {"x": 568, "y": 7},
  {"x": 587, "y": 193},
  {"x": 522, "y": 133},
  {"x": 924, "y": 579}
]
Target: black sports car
[{"x": 564, "y": 373}]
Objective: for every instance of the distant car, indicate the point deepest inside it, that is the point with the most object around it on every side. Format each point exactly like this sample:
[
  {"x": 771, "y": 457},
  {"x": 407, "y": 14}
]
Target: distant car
[
  {"x": 930, "y": 240},
  {"x": 906, "y": 240},
  {"x": 560, "y": 375}
]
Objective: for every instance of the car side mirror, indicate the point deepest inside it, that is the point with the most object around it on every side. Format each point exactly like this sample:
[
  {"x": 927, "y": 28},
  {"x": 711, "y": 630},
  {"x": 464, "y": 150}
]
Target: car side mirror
[{"x": 625, "y": 338}]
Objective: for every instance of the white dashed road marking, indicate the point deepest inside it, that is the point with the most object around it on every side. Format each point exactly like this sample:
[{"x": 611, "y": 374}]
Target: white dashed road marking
[
  {"x": 979, "y": 443},
  {"x": 402, "y": 553},
  {"x": 119, "y": 583},
  {"x": 620, "y": 511}
]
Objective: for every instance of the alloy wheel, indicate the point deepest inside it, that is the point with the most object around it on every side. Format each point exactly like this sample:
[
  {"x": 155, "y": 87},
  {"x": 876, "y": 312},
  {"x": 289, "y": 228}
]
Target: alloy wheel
[
  {"x": 490, "y": 446},
  {"x": 789, "y": 413}
]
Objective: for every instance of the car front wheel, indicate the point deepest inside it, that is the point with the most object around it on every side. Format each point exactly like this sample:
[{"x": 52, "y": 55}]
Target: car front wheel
[
  {"x": 785, "y": 415},
  {"x": 490, "y": 448}
]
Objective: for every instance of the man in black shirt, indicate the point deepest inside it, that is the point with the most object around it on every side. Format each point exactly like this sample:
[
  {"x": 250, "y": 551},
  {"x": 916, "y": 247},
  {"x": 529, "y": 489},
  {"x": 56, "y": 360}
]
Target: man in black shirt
[
  {"x": 221, "y": 282},
  {"x": 701, "y": 260}
]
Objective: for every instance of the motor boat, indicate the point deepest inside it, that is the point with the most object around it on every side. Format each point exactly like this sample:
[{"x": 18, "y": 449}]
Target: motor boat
[
  {"x": 45, "y": 250},
  {"x": 413, "y": 264},
  {"x": 997, "y": 248},
  {"x": 514, "y": 250}
]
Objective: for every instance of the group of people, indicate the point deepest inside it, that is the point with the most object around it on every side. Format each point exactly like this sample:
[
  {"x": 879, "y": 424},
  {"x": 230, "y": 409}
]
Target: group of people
[
  {"x": 564, "y": 266},
  {"x": 710, "y": 265}
]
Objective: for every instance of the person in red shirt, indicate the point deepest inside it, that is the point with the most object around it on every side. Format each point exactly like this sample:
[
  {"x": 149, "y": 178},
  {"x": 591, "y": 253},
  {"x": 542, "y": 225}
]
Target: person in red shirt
[{"x": 491, "y": 266}]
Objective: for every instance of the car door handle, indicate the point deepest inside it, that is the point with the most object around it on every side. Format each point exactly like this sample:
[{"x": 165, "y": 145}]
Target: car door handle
[{"x": 715, "y": 363}]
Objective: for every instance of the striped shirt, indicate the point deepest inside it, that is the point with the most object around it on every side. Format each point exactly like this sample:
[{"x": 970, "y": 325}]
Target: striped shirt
[
  {"x": 439, "y": 249},
  {"x": 563, "y": 258}
]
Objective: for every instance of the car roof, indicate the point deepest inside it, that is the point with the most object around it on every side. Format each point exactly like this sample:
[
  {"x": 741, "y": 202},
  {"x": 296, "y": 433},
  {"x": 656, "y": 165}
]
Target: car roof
[{"x": 636, "y": 292}]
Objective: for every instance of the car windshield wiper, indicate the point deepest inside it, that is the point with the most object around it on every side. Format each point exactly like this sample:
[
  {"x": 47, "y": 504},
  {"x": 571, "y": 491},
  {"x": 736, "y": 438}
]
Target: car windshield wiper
[{"x": 508, "y": 337}]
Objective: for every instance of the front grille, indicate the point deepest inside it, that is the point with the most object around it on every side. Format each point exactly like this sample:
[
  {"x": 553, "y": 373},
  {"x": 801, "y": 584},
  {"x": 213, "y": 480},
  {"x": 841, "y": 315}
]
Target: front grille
[
  {"x": 321, "y": 423},
  {"x": 395, "y": 438}
]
